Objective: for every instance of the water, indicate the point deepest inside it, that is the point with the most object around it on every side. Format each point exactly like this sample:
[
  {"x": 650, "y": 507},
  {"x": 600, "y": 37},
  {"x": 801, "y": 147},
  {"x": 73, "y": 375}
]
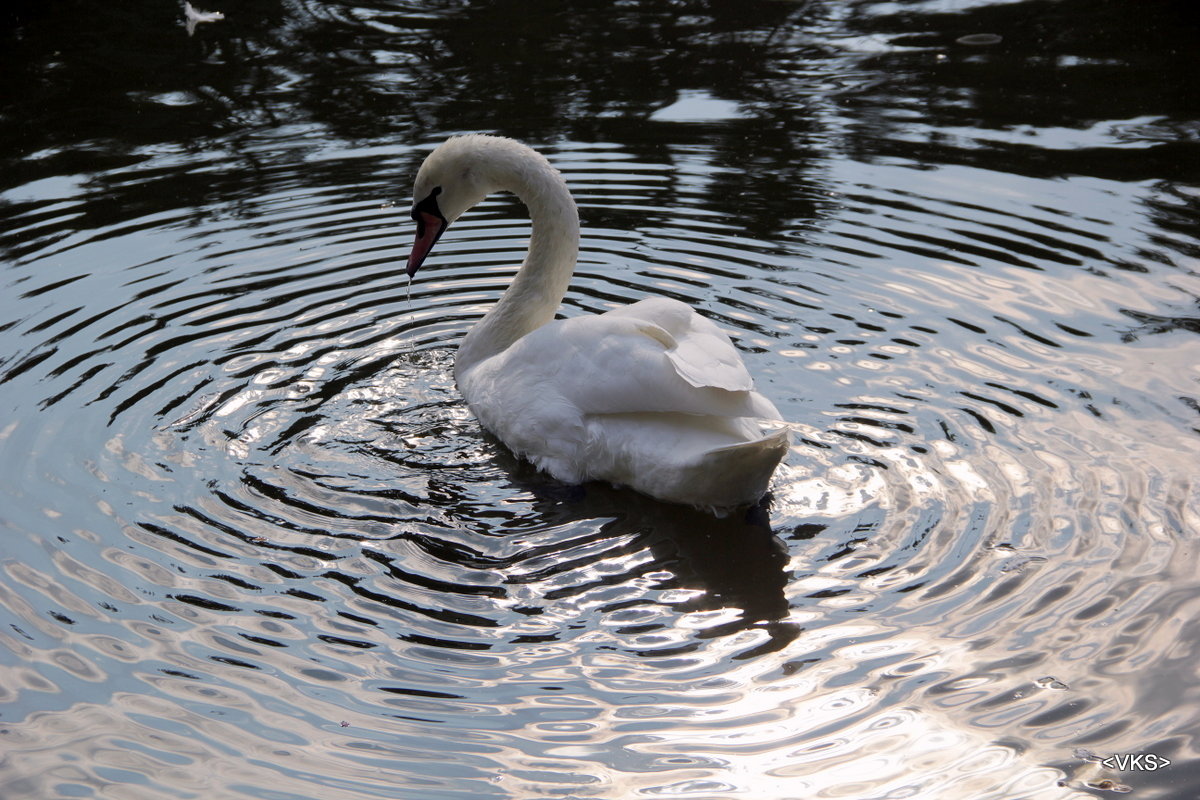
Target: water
[{"x": 255, "y": 546}]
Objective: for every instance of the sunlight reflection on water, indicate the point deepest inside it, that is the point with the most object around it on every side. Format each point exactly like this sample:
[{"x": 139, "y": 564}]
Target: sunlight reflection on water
[{"x": 257, "y": 546}]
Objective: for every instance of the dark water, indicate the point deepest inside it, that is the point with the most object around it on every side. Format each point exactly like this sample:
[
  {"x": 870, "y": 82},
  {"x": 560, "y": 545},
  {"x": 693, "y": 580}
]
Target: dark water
[{"x": 255, "y": 546}]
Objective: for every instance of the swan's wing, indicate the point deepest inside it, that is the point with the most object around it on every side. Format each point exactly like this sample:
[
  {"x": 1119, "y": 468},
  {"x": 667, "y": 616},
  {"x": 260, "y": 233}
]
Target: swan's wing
[
  {"x": 654, "y": 356},
  {"x": 700, "y": 351}
]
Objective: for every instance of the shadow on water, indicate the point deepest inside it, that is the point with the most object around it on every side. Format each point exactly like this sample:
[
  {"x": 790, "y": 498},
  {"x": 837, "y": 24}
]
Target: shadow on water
[
  {"x": 584, "y": 72},
  {"x": 734, "y": 563},
  {"x": 1024, "y": 103}
]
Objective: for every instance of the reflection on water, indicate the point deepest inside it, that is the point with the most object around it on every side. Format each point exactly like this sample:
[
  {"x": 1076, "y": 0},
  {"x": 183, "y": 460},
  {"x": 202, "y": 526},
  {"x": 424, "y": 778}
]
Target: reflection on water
[{"x": 256, "y": 546}]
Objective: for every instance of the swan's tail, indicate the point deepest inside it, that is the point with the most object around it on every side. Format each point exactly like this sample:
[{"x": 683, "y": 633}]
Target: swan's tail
[
  {"x": 713, "y": 463},
  {"x": 738, "y": 474}
]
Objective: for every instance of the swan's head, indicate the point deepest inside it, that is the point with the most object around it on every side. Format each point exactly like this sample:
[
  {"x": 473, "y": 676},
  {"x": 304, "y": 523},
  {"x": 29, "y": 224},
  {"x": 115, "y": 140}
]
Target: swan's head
[{"x": 457, "y": 175}]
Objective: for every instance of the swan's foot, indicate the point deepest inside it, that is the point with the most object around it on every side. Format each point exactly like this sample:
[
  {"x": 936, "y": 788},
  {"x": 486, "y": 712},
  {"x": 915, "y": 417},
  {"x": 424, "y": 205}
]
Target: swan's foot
[{"x": 759, "y": 514}]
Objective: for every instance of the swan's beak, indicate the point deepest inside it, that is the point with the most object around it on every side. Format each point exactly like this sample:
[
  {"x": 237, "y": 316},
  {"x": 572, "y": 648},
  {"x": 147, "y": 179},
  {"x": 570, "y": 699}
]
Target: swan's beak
[{"x": 430, "y": 224}]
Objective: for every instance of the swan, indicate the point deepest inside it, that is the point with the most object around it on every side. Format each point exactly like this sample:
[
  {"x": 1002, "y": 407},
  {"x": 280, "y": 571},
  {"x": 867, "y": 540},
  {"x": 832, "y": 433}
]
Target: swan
[{"x": 651, "y": 396}]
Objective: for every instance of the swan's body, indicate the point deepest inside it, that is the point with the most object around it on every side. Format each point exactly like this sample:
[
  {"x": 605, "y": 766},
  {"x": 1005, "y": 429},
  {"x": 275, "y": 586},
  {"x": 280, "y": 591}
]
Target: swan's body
[{"x": 652, "y": 395}]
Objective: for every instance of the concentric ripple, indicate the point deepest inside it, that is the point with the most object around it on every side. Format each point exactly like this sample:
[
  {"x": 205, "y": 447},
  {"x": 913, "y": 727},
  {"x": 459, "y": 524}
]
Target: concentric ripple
[
  {"x": 257, "y": 546},
  {"x": 282, "y": 545}
]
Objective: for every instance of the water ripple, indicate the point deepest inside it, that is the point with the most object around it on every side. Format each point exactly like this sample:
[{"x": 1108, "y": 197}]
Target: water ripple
[{"x": 257, "y": 535}]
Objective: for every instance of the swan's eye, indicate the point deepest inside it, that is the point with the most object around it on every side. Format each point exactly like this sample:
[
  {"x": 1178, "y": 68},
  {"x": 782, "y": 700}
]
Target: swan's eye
[{"x": 428, "y": 206}]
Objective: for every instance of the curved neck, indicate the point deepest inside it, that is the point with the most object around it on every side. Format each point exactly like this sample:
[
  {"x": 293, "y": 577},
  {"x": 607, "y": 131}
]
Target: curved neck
[{"x": 538, "y": 288}]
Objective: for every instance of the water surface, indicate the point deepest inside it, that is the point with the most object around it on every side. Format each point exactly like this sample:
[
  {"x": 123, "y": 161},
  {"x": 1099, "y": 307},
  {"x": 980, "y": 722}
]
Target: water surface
[{"x": 257, "y": 547}]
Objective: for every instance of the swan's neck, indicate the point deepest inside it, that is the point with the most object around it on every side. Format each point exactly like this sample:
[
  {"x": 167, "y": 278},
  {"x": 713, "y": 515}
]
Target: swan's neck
[{"x": 538, "y": 288}]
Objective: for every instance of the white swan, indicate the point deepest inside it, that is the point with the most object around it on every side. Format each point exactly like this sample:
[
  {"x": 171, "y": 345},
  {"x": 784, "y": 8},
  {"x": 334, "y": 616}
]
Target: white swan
[{"x": 652, "y": 396}]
